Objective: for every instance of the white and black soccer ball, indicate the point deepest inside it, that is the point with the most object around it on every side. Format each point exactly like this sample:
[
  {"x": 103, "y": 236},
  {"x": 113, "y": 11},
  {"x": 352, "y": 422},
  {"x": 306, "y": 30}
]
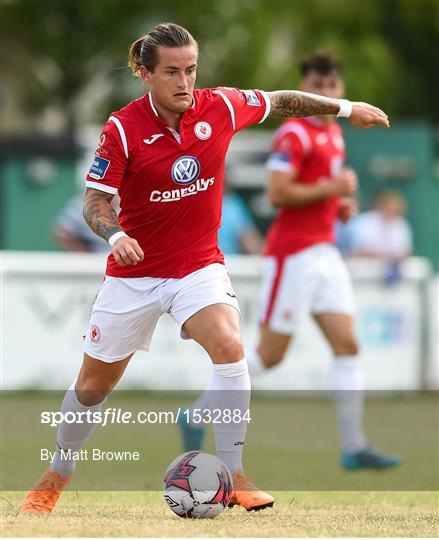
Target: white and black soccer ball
[{"x": 197, "y": 485}]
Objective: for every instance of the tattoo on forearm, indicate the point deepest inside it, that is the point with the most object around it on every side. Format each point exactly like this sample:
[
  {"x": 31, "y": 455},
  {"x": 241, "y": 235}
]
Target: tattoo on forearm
[
  {"x": 291, "y": 103},
  {"x": 99, "y": 214}
]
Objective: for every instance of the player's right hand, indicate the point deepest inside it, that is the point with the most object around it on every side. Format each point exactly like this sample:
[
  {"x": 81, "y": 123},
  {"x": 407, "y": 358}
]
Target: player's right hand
[
  {"x": 364, "y": 115},
  {"x": 345, "y": 183},
  {"x": 127, "y": 251}
]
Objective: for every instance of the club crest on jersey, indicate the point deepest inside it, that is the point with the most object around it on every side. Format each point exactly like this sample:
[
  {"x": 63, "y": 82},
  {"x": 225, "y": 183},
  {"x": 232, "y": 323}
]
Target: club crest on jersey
[
  {"x": 99, "y": 167},
  {"x": 185, "y": 170},
  {"x": 322, "y": 139},
  {"x": 252, "y": 98},
  {"x": 203, "y": 130}
]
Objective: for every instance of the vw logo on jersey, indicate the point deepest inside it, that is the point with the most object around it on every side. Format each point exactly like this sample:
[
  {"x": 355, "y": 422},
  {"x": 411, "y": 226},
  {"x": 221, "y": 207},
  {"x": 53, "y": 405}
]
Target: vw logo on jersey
[{"x": 185, "y": 170}]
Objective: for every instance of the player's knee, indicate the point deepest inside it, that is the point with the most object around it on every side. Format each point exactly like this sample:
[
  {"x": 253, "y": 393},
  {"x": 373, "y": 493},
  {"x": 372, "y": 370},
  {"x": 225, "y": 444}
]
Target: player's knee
[
  {"x": 347, "y": 347},
  {"x": 92, "y": 392},
  {"x": 228, "y": 350},
  {"x": 271, "y": 357}
]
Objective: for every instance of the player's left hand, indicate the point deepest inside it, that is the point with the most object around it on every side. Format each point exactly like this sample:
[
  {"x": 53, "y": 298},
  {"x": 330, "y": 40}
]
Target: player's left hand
[
  {"x": 347, "y": 208},
  {"x": 366, "y": 116}
]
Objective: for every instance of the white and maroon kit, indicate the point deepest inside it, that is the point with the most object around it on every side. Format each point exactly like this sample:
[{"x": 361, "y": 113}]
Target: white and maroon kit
[
  {"x": 170, "y": 186},
  {"x": 304, "y": 272}
]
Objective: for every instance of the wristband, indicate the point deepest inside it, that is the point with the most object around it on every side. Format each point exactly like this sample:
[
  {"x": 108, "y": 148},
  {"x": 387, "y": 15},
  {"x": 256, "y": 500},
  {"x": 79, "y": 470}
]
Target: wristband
[
  {"x": 345, "y": 108},
  {"x": 115, "y": 237}
]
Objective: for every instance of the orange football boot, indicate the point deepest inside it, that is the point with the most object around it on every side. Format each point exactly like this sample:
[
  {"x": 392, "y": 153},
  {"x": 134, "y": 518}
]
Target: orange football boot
[
  {"x": 45, "y": 494},
  {"x": 247, "y": 495}
]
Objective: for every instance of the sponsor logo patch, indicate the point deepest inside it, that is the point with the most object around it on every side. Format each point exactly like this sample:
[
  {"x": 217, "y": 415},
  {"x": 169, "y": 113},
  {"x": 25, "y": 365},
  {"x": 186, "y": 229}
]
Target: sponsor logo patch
[
  {"x": 185, "y": 170},
  {"x": 153, "y": 138},
  {"x": 252, "y": 98},
  {"x": 99, "y": 167},
  {"x": 174, "y": 195},
  {"x": 203, "y": 130}
]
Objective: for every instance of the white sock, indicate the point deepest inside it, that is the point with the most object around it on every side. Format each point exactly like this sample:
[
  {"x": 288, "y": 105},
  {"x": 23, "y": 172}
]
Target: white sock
[
  {"x": 348, "y": 393},
  {"x": 230, "y": 390},
  {"x": 71, "y": 436},
  {"x": 255, "y": 363}
]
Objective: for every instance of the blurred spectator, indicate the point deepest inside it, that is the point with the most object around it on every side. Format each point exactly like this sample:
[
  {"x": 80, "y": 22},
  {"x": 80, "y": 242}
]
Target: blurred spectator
[
  {"x": 237, "y": 234},
  {"x": 72, "y": 233},
  {"x": 382, "y": 232}
]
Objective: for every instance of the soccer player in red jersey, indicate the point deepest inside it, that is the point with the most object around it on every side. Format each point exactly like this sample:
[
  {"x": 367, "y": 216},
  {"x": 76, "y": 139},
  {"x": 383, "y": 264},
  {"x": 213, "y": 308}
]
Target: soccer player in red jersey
[
  {"x": 164, "y": 155},
  {"x": 311, "y": 186}
]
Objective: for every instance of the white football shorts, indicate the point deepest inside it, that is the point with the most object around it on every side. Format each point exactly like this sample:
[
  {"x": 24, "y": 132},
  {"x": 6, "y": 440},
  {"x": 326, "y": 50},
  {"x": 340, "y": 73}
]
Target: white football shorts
[
  {"x": 314, "y": 280},
  {"x": 126, "y": 310}
]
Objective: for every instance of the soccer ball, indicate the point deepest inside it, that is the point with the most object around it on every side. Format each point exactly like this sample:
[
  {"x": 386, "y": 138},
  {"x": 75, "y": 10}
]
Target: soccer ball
[{"x": 197, "y": 485}]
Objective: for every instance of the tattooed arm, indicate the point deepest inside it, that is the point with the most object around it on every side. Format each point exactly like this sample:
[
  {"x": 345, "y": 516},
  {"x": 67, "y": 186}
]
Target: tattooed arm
[
  {"x": 292, "y": 103},
  {"x": 101, "y": 217},
  {"x": 99, "y": 213}
]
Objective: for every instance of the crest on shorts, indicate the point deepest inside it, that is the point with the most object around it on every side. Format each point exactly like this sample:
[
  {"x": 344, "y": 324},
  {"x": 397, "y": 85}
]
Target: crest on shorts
[{"x": 95, "y": 333}]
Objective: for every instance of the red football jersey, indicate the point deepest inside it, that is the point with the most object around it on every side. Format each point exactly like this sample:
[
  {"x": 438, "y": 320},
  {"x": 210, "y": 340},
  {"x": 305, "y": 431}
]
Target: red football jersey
[
  {"x": 170, "y": 184},
  {"x": 316, "y": 152}
]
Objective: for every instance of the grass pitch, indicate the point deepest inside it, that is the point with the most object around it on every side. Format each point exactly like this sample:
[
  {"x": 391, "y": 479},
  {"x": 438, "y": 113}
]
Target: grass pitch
[
  {"x": 292, "y": 452},
  {"x": 302, "y": 514}
]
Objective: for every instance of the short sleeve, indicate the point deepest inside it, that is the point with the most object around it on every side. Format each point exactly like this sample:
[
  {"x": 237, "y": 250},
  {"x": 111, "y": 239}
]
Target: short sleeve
[
  {"x": 110, "y": 159},
  {"x": 290, "y": 146},
  {"x": 245, "y": 107}
]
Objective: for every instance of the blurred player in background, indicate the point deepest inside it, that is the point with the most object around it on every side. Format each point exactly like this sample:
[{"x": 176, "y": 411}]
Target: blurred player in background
[
  {"x": 311, "y": 187},
  {"x": 164, "y": 153},
  {"x": 305, "y": 274}
]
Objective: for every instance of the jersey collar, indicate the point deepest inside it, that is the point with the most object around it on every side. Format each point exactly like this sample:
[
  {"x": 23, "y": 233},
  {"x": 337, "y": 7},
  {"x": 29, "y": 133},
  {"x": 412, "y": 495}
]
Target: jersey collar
[
  {"x": 154, "y": 110},
  {"x": 177, "y": 136}
]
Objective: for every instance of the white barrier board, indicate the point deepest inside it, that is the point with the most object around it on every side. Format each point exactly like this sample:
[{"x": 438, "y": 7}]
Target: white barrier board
[{"x": 46, "y": 301}]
